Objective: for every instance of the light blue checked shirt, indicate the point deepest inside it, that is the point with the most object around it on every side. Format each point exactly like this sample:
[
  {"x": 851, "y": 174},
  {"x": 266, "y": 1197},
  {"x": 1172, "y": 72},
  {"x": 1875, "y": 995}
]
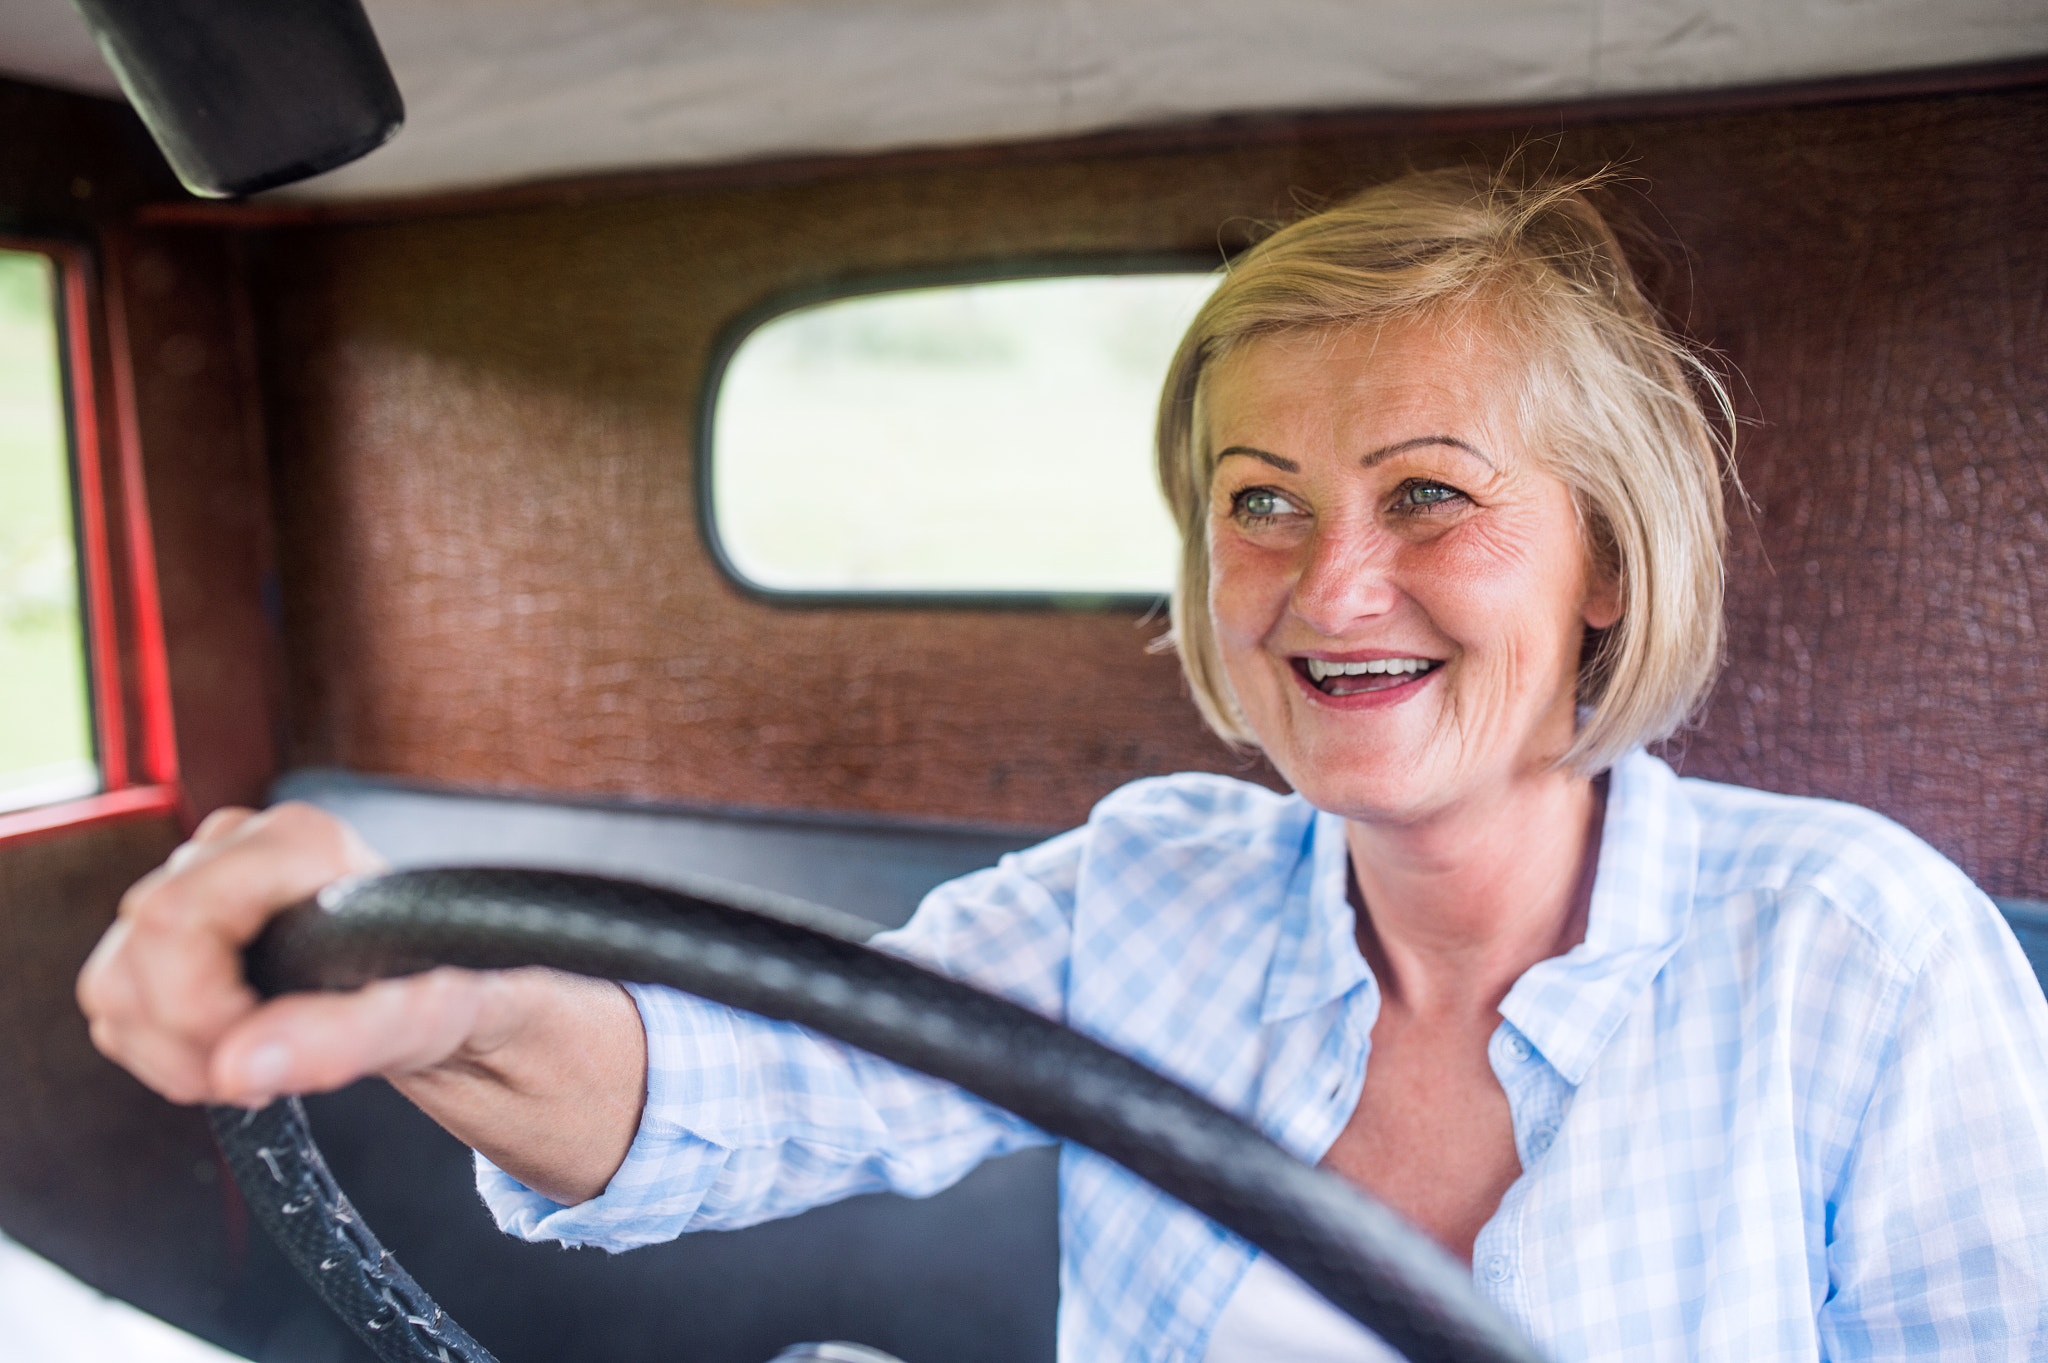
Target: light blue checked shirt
[{"x": 1788, "y": 1100}]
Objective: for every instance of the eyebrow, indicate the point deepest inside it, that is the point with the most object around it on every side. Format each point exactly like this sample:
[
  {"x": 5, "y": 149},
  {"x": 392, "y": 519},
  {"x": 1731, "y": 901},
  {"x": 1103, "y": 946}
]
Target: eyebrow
[
  {"x": 1387, "y": 452},
  {"x": 1264, "y": 456},
  {"x": 1378, "y": 456}
]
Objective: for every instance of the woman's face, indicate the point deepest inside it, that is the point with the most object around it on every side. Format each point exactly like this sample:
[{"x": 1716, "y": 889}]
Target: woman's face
[{"x": 1399, "y": 591}]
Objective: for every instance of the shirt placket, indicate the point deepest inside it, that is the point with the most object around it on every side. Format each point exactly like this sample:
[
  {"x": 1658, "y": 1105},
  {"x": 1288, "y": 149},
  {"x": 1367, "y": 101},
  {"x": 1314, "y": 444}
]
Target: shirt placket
[{"x": 1537, "y": 1098}]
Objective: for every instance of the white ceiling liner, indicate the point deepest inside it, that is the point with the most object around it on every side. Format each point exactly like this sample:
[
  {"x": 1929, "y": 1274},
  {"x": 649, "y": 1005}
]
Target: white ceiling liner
[{"x": 500, "y": 91}]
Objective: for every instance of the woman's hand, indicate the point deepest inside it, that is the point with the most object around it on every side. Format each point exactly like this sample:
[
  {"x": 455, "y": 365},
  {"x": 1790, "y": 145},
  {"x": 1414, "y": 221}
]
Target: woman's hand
[
  {"x": 164, "y": 990},
  {"x": 543, "y": 1072}
]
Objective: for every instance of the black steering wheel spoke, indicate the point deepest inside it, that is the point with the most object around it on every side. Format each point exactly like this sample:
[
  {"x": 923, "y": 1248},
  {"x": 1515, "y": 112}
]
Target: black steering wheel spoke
[{"x": 292, "y": 1194}]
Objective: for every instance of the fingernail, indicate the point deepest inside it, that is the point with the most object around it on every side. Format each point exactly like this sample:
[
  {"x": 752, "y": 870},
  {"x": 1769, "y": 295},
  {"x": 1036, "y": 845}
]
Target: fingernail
[{"x": 265, "y": 1068}]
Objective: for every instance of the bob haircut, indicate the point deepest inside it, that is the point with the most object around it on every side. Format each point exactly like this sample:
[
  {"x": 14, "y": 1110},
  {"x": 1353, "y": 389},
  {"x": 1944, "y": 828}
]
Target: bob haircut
[{"x": 1610, "y": 402}]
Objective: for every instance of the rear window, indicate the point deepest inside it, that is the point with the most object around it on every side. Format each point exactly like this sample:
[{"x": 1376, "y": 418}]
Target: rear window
[
  {"x": 983, "y": 439},
  {"x": 46, "y": 742}
]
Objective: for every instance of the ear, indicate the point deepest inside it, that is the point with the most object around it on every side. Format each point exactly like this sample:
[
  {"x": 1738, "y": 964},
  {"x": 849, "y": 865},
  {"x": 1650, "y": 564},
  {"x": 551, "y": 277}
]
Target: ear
[{"x": 1602, "y": 606}]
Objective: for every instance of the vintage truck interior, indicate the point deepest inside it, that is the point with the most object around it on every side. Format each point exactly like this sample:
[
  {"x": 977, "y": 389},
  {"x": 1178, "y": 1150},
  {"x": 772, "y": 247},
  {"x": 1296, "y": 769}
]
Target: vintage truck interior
[{"x": 426, "y": 490}]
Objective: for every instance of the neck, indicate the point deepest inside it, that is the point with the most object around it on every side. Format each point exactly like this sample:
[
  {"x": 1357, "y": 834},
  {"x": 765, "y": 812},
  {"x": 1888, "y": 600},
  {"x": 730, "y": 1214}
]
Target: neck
[{"x": 1455, "y": 907}]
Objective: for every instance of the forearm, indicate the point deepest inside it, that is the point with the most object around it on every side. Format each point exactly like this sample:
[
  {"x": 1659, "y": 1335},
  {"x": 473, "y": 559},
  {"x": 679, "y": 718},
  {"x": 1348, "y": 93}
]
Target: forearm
[{"x": 548, "y": 1086}]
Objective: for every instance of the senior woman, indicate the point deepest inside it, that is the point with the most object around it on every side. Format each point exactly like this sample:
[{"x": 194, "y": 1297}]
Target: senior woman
[{"x": 1684, "y": 1071}]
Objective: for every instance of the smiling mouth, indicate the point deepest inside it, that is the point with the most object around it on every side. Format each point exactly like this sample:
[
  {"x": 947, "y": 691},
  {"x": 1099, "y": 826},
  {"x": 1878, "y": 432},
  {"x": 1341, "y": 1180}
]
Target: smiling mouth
[{"x": 1373, "y": 674}]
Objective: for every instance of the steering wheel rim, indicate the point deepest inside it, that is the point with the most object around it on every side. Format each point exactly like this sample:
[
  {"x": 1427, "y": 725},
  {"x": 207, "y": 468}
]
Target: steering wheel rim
[{"x": 797, "y": 962}]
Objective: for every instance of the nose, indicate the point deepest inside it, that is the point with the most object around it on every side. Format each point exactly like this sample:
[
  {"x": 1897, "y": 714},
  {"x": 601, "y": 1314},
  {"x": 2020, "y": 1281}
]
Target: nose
[{"x": 1347, "y": 578}]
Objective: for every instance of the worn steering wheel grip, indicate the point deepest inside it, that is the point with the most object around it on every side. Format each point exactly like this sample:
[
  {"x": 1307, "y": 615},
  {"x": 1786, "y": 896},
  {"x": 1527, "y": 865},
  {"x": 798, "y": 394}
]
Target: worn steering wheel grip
[{"x": 785, "y": 959}]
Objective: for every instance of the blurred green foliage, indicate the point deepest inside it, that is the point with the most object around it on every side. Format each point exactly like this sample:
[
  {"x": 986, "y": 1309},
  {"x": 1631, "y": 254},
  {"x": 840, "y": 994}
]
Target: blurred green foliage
[{"x": 45, "y": 721}]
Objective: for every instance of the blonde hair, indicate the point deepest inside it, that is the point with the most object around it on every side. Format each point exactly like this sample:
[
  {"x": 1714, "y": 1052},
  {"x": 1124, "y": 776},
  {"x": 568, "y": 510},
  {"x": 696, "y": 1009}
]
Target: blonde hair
[{"x": 1611, "y": 402}]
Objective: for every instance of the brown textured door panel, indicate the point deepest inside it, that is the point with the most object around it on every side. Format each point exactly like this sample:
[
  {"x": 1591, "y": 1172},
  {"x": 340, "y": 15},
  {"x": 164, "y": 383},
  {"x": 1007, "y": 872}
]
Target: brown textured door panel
[
  {"x": 485, "y": 435},
  {"x": 1885, "y": 307},
  {"x": 96, "y": 1173},
  {"x": 482, "y": 429}
]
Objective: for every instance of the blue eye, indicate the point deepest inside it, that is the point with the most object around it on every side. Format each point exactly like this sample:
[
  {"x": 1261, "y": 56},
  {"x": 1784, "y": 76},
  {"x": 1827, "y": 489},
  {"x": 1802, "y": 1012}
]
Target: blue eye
[
  {"x": 1261, "y": 503},
  {"x": 1424, "y": 494}
]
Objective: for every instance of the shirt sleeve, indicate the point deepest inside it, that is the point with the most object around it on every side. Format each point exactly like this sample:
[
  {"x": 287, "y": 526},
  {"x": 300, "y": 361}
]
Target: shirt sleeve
[
  {"x": 1938, "y": 1234},
  {"x": 747, "y": 1119}
]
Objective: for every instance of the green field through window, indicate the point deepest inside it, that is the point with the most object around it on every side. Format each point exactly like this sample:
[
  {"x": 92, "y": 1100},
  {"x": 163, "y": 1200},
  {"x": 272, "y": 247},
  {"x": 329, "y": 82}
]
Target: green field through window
[
  {"x": 46, "y": 747},
  {"x": 990, "y": 437}
]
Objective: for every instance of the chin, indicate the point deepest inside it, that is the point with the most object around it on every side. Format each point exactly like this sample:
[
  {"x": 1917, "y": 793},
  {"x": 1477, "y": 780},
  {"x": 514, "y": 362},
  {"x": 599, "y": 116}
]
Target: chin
[{"x": 1374, "y": 783}]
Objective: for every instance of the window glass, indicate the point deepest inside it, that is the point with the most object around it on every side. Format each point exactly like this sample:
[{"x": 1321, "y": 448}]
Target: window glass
[
  {"x": 992, "y": 437},
  {"x": 46, "y": 750}
]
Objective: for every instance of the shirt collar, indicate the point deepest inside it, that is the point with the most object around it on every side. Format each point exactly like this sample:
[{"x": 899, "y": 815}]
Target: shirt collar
[
  {"x": 1567, "y": 1006},
  {"x": 1316, "y": 958},
  {"x": 1570, "y": 1005}
]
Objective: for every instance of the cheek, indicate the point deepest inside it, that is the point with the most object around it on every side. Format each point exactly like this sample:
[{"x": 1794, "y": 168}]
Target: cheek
[
  {"x": 1505, "y": 583},
  {"x": 1245, "y": 583}
]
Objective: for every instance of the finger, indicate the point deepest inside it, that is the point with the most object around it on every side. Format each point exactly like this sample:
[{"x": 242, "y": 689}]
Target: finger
[
  {"x": 112, "y": 996},
  {"x": 189, "y": 922},
  {"x": 186, "y": 981},
  {"x": 173, "y": 1068},
  {"x": 313, "y": 1043},
  {"x": 104, "y": 987},
  {"x": 218, "y": 825},
  {"x": 221, "y": 822},
  {"x": 236, "y": 880},
  {"x": 166, "y": 1057},
  {"x": 169, "y": 970}
]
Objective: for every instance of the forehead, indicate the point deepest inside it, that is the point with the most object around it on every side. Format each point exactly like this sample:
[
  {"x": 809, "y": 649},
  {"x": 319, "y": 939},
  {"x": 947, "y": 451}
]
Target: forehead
[{"x": 1343, "y": 387}]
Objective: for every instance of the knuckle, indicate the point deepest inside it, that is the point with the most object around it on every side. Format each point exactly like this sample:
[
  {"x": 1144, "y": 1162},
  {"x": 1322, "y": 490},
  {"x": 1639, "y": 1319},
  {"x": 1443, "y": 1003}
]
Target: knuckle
[
  {"x": 155, "y": 906},
  {"x": 311, "y": 832},
  {"x": 169, "y": 1070},
  {"x": 160, "y": 900},
  {"x": 220, "y": 822},
  {"x": 137, "y": 900},
  {"x": 168, "y": 913},
  {"x": 404, "y": 1007},
  {"x": 96, "y": 993},
  {"x": 443, "y": 985},
  {"x": 297, "y": 821},
  {"x": 180, "y": 1087},
  {"x": 106, "y": 1038},
  {"x": 185, "y": 854},
  {"x": 196, "y": 1015}
]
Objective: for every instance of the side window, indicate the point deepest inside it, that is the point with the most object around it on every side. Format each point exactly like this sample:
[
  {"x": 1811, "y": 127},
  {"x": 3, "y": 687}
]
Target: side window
[
  {"x": 46, "y": 728},
  {"x": 979, "y": 440}
]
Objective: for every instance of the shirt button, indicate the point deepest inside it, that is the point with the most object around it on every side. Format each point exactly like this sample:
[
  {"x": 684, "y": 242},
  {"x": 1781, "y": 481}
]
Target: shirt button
[
  {"x": 1541, "y": 1138},
  {"x": 1497, "y": 1269},
  {"x": 1517, "y": 1049}
]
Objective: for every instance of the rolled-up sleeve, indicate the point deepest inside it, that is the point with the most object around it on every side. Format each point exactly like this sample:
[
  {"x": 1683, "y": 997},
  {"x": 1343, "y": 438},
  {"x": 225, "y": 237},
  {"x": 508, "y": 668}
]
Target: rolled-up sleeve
[{"x": 748, "y": 1119}]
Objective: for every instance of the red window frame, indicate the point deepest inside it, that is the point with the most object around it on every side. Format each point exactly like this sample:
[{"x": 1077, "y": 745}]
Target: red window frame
[{"x": 135, "y": 742}]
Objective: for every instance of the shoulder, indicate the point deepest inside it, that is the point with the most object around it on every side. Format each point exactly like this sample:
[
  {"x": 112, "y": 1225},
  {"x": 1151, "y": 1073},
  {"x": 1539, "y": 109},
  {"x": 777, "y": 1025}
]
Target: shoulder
[
  {"x": 1169, "y": 842},
  {"x": 1170, "y": 817},
  {"x": 1203, "y": 805},
  {"x": 1191, "y": 810},
  {"x": 1865, "y": 954},
  {"x": 1838, "y": 860}
]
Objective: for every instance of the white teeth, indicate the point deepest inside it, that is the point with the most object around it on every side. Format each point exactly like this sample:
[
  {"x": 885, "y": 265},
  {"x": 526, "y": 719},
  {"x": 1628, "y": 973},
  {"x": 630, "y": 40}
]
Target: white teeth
[{"x": 1318, "y": 669}]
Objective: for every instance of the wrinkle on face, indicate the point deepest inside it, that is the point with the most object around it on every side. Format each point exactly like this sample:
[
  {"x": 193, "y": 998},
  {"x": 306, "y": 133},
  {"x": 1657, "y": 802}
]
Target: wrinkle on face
[{"x": 1498, "y": 585}]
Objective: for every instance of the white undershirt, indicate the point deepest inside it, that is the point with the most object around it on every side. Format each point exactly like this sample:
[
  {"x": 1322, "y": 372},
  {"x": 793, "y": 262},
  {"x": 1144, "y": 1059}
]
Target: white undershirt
[{"x": 1274, "y": 1317}]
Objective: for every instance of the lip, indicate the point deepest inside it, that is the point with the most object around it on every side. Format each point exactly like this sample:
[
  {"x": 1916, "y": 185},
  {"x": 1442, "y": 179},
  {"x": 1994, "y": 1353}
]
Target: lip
[{"x": 1384, "y": 698}]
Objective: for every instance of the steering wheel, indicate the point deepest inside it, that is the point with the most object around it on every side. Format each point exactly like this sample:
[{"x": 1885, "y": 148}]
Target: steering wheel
[{"x": 785, "y": 959}]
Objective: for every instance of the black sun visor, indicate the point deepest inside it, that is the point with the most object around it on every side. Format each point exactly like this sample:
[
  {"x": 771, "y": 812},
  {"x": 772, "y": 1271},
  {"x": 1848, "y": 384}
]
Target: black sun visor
[{"x": 247, "y": 95}]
